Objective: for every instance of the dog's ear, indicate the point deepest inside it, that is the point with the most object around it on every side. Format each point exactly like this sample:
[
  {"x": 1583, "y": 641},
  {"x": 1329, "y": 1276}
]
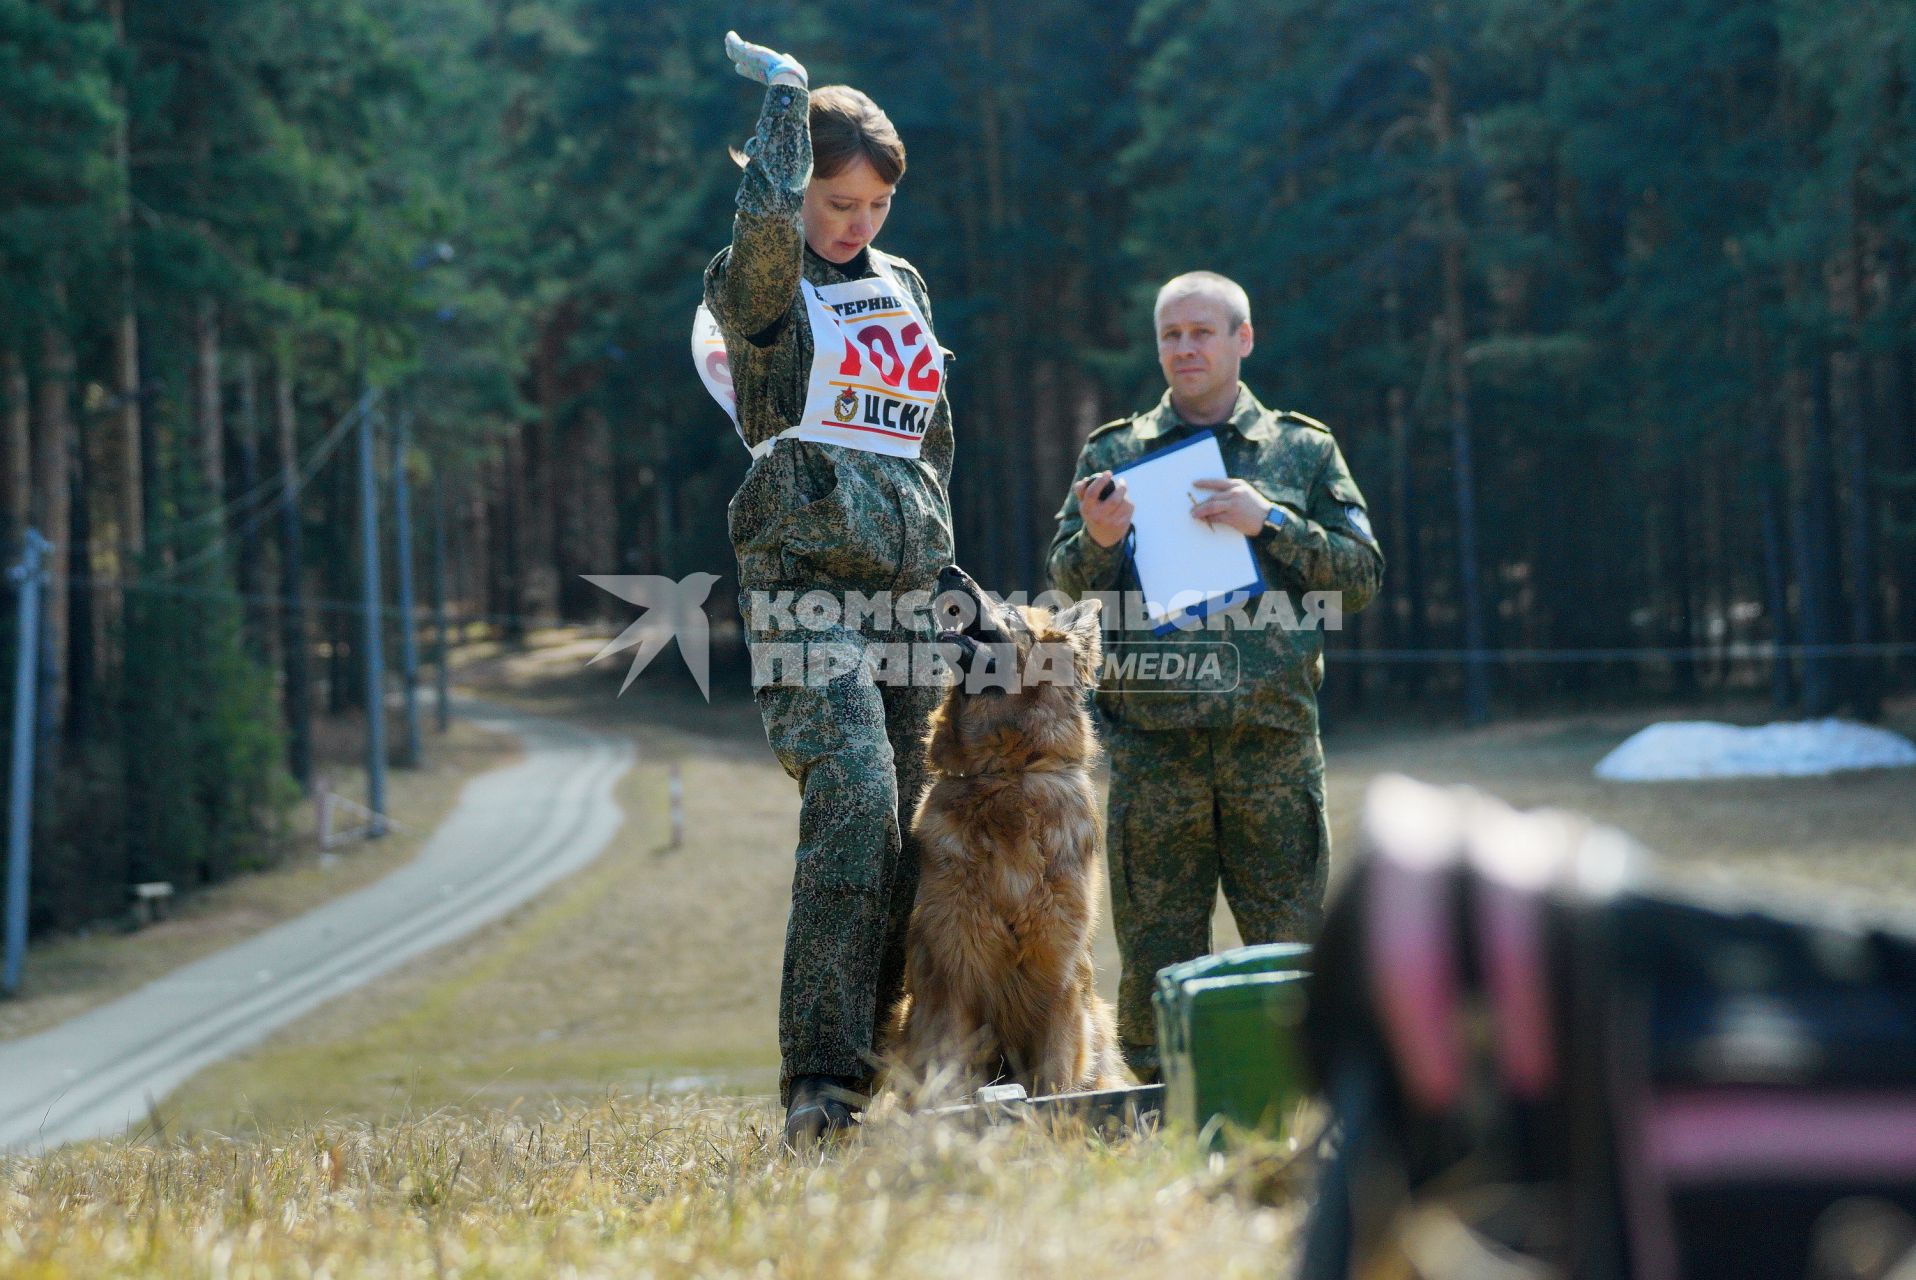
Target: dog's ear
[
  {"x": 1081, "y": 617},
  {"x": 1080, "y": 623}
]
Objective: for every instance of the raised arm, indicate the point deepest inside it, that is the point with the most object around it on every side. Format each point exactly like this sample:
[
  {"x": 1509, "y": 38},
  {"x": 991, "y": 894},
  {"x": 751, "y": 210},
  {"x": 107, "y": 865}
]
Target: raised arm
[
  {"x": 1079, "y": 563},
  {"x": 749, "y": 287}
]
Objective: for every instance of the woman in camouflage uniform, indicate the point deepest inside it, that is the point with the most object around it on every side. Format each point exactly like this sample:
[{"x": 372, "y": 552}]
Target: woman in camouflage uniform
[{"x": 839, "y": 397}]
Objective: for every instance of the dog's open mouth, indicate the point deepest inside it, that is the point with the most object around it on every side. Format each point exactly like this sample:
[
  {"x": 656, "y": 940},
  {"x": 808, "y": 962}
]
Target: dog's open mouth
[
  {"x": 981, "y": 662},
  {"x": 978, "y": 639}
]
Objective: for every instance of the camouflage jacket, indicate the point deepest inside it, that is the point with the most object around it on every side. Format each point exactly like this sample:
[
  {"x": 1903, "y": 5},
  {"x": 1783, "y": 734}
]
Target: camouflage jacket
[
  {"x": 1325, "y": 544},
  {"x": 813, "y": 515}
]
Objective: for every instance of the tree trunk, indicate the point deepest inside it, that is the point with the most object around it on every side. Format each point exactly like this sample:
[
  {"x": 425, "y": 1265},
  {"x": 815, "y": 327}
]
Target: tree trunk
[
  {"x": 507, "y": 554},
  {"x": 83, "y": 635},
  {"x": 1816, "y": 569},
  {"x": 1004, "y": 374},
  {"x": 1898, "y": 381},
  {"x": 1681, "y": 632},
  {"x": 206, "y": 399},
  {"x": 252, "y": 516},
  {"x": 339, "y": 583},
  {"x": 1770, "y": 412},
  {"x": 1457, "y": 379},
  {"x": 541, "y": 456},
  {"x": 1408, "y": 607},
  {"x": 1728, "y": 548},
  {"x": 52, "y": 444},
  {"x": 591, "y": 544},
  {"x": 471, "y": 567},
  {"x": 130, "y": 477},
  {"x": 663, "y": 530},
  {"x": 1850, "y": 404},
  {"x": 16, "y": 458},
  {"x": 1776, "y": 599},
  {"x": 296, "y": 691},
  {"x": 977, "y": 460}
]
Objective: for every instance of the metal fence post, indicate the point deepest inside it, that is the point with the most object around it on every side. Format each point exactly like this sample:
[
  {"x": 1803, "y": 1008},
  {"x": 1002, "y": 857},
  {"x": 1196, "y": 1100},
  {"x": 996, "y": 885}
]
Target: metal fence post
[{"x": 29, "y": 575}]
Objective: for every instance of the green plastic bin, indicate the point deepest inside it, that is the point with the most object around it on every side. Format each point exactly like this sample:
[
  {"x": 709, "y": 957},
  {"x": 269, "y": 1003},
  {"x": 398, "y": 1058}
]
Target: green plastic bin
[{"x": 1227, "y": 1037}]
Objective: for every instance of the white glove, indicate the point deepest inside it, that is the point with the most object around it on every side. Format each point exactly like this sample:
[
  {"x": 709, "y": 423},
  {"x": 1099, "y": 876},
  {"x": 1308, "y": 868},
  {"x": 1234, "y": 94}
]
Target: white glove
[{"x": 756, "y": 62}]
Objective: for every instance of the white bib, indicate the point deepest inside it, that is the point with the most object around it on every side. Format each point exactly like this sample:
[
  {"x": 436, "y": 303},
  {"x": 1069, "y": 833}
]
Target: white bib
[{"x": 876, "y": 369}]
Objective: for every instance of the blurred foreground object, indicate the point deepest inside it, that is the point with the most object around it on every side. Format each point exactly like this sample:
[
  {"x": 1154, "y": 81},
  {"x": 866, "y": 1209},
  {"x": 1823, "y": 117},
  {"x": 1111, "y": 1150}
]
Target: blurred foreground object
[{"x": 1540, "y": 1063}]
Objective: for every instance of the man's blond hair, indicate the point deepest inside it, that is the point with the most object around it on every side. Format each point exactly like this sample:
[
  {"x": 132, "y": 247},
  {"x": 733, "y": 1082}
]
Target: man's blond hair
[{"x": 1237, "y": 303}]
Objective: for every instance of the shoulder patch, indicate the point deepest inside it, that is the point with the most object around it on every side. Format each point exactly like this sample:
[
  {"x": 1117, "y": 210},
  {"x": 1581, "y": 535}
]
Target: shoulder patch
[
  {"x": 1109, "y": 427},
  {"x": 1302, "y": 420}
]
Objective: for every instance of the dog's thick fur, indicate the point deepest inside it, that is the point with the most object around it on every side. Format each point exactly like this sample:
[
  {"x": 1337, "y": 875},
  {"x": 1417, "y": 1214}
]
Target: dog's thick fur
[{"x": 999, "y": 980}]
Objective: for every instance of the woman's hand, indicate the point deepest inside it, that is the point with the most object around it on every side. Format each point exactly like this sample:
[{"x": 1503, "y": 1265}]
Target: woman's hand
[{"x": 756, "y": 62}]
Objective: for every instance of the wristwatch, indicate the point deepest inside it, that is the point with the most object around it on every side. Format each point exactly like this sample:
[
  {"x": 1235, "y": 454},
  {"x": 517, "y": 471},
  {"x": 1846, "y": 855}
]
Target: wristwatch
[{"x": 1274, "y": 518}]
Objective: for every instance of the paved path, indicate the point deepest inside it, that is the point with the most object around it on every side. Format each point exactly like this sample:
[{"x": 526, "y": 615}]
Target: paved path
[{"x": 513, "y": 832}]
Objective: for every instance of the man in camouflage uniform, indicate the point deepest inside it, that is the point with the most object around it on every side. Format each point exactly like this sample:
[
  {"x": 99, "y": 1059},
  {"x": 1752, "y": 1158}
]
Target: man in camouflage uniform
[
  {"x": 816, "y": 517},
  {"x": 1225, "y": 785}
]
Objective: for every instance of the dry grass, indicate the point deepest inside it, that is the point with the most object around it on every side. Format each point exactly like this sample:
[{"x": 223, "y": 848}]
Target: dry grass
[
  {"x": 488, "y": 1113},
  {"x": 65, "y": 976},
  {"x": 657, "y": 1187}
]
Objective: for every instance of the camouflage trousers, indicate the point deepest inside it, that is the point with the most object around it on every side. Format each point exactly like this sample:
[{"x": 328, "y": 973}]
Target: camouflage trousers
[
  {"x": 1190, "y": 809},
  {"x": 856, "y": 749}
]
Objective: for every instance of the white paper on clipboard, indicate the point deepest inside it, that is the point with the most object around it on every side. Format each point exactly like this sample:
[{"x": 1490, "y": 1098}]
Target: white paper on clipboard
[{"x": 1184, "y": 565}]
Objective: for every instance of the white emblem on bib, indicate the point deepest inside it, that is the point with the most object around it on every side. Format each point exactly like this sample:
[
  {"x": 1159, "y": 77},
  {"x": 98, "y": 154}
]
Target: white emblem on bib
[{"x": 877, "y": 372}]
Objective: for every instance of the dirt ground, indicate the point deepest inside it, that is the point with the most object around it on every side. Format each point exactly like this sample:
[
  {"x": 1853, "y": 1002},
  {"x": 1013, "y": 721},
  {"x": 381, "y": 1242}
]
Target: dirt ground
[{"x": 657, "y": 968}]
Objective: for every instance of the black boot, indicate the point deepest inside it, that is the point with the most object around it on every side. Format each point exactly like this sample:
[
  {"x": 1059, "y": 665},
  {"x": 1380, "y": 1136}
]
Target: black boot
[
  {"x": 823, "y": 1110},
  {"x": 1142, "y": 1059}
]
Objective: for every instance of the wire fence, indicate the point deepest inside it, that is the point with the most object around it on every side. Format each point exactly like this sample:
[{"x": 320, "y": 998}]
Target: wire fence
[{"x": 276, "y": 489}]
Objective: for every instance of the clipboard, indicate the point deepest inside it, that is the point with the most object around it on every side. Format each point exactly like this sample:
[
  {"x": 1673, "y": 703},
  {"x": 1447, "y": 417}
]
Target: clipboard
[{"x": 1185, "y": 569}]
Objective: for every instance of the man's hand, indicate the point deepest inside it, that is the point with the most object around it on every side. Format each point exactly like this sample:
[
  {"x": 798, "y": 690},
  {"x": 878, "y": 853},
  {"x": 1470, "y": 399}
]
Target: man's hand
[
  {"x": 1105, "y": 504},
  {"x": 756, "y": 62},
  {"x": 1232, "y": 503}
]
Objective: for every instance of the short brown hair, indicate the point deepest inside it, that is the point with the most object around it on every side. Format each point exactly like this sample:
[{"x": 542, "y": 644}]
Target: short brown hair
[{"x": 845, "y": 125}]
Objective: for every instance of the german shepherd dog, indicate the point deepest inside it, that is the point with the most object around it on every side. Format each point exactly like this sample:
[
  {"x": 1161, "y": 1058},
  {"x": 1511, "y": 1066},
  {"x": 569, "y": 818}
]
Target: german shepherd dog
[{"x": 998, "y": 976}]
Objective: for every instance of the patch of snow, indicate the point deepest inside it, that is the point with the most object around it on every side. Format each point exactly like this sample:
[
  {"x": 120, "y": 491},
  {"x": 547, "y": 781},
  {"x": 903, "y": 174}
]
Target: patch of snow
[{"x": 1683, "y": 749}]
